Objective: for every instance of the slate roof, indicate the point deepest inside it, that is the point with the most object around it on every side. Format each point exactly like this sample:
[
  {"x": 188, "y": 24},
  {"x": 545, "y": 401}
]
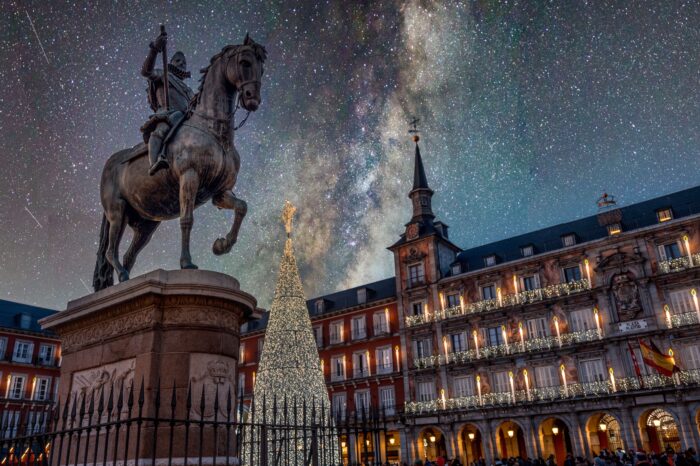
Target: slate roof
[
  {"x": 643, "y": 214},
  {"x": 376, "y": 291},
  {"x": 10, "y": 313}
]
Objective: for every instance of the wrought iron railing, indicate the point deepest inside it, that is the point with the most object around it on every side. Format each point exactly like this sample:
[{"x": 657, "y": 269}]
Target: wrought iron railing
[
  {"x": 556, "y": 393},
  {"x": 679, "y": 264},
  {"x": 514, "y": 299},
  {"x": 529, "y": 345},
  {"x": 170, "y": 426},
  {"x": 681, "y": 320}
]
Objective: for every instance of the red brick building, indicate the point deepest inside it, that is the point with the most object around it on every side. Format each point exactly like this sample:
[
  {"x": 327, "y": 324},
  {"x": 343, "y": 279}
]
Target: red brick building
[{"x": 29, "y": 365}]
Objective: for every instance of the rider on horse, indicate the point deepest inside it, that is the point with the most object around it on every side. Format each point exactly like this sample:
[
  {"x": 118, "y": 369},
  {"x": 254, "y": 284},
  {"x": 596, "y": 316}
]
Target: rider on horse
[{"x": 165, "y": 116}]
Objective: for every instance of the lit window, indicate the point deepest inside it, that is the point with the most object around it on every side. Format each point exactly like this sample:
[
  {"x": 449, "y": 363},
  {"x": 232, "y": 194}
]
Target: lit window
[
  {"x": 46, "y": 354},
  {"x": 614, "y": 229},
  {"x": 41, "y": 389},
  {"x": 358, "y": 328},
  {"x": 417, "y": 308},
  {"x": 416, "y": 275},
  {"x": 384, "y": 360},
  {"x": 16, "y": 387},
  {"x": 336, "y": 331},
  {"x": 23, "y": 351},
  {"x": 527, "y": 251},
  {"x": 572, "y": 274},
  {"x": 318, "y": 336},
  {"x": 488, "y": 292},
  {"x": 568, "y": 240},
  {"x": 664, "y": 215},
  {"x": 380, "y": 324},
  {"x": 490, "y": 260},
  {"x": 453, "y": 300}
]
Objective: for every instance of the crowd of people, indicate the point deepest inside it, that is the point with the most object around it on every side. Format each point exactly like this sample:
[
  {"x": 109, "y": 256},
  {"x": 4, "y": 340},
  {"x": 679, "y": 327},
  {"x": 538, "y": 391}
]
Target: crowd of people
[{"x": 619, "y": 457}]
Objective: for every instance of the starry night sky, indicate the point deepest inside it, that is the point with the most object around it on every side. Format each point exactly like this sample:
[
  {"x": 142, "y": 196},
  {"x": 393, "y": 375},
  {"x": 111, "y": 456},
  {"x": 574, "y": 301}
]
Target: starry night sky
[{"x": 529, "y": 111}]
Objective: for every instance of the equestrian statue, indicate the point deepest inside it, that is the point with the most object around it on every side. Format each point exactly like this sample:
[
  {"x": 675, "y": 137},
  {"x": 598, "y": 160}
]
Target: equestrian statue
[{"x": 187, "y": 157}]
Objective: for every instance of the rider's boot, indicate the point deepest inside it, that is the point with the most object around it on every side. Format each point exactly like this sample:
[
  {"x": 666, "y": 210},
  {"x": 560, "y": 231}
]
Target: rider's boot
[{"x": 158, "y": 161}]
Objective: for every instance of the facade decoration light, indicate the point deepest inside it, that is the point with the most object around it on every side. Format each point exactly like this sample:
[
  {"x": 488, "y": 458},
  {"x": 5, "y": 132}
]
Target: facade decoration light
[
  {"x": 613, "y": 385},
  {"x": 522, "y": 336},
  {"x": 562, "y": 369},
  {"x": 511, "y": 433},
  {"x": 602, "y": 427},
  {"x": 471, "y": 435},
  {"x": 505, "y": 337},
  {"x": 596, "y": 317},
  {"x": 512, "y": 386},
  {"x": 587, "y": 266},
  {"x": 432, "y": 439},
  {"x": 657, "y": 423},
  {"x": 686, "y": 242},
  {"x": 527, "y": 385},
  {"x": 555, "y": 430},
  {"x": 556, "y": 328},
  {"x": 475, "y": 334},
  {"x": 667, "y": 313},
  {"x": 392, "y": 440}
]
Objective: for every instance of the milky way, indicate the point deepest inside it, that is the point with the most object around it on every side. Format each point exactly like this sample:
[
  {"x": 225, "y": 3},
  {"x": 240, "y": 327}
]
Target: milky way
[{"x": 529, "y": 110}]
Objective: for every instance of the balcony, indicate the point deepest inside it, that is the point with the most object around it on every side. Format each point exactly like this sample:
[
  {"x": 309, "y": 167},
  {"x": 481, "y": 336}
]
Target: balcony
[
  {"x": 531, "y": 345},
  {"x": 515, "y": 299},
  {"x": 569, "y": 392},
  {"x": 385, "y": 369},
  {"x": 681, "y": 320},
  {"x": 360, "y": 373},
  {"x": 358, "y": 333},
  {"x": 679, "y": 264}
]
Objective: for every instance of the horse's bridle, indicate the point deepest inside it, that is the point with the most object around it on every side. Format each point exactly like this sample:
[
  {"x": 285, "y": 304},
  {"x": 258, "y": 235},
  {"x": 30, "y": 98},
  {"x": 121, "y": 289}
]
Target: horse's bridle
[{"x": 241, "y": 85}]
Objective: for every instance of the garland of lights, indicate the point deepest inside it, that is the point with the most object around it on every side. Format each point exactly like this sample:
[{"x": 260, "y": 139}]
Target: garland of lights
[{"x": 289, "y": 381}]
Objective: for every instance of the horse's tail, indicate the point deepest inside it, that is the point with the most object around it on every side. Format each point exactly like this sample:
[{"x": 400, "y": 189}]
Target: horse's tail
[{"x": 103, "y": 276}]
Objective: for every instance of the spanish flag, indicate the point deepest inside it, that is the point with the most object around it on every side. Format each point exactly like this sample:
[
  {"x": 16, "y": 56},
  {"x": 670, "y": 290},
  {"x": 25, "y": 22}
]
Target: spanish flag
[{"x": 653, "y": 357}]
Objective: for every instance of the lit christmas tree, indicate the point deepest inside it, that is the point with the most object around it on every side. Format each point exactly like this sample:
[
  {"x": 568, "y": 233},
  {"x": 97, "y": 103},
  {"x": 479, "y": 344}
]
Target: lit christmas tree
[{"x": 290, "y": 387}]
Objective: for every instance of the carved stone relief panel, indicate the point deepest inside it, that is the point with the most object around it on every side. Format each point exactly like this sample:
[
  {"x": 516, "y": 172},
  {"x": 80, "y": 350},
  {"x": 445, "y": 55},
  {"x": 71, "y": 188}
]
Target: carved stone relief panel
[
  {"x": 119, "y": 374},
  {"x": 215, "y": 375}
]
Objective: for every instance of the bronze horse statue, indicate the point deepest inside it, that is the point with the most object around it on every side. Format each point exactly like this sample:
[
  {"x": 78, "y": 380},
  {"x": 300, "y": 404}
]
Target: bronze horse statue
[{"x": 204, "y": 165}]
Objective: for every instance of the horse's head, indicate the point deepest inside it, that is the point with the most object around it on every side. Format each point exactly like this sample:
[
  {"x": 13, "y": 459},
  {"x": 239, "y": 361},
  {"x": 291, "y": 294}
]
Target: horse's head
[{"x": 244, "y": 71}]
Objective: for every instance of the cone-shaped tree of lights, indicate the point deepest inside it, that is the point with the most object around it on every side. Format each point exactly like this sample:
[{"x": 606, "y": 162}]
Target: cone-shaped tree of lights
[{"x": 290, "y": 383}]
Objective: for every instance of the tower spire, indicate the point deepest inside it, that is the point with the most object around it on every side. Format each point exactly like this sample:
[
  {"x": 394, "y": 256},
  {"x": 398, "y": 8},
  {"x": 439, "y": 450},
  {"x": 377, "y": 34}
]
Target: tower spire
[{"x": 421, "y": 194}]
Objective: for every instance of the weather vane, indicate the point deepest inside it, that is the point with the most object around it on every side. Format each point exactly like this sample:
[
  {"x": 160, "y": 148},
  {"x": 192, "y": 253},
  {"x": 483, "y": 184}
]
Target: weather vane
[
  {"x": 414, "y": 129},
  {"x": 288, "y": 216}
]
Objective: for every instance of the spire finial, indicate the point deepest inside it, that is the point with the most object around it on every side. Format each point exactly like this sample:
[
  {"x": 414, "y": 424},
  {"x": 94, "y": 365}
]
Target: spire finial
[
  {"x": 288, "y": 216},
  {"x": 414, "y": 129}
]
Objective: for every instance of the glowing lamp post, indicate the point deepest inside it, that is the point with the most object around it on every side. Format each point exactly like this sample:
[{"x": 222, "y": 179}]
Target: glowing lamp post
[
  {"x": 505, "y": 338},
  {"x": 499, "y": 296},
  {"x": 667, "y": 313},
  {"x": 512, "y": 386},
  {"x": 478, "y": 389},
  {"x": 686, "y": 241},
  {"x": 562, "y": 369},
  {"x": 587, "y": 266},
  {"x": 527, "y": 385},
  {"x": 442, "y": 301},
  {"x": 596, "y": 317},
  {"x": 515, "y": 288},
  {"x": 461, "y": 304},
  {"x": 445, "y": 347},
  {"x": 475, "y": 334},
  {"x": 556, "y": 329},
  {"x": 443, "y": 398},
  {"x": 522, "y": 337},
  {"x": 613, "y": 385},
  {"x": 398, "y": 360},
  {"x": 369, "y": 365}
]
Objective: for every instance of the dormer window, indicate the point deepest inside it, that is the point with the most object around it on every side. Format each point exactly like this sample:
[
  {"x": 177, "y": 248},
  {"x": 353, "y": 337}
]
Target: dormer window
[
  {"x": 490, "y": 260},
  {"x": 614, "y": 229},
  {"x": 456, "y": 269},
  {"x": 527, "y": 251},
  {"x": 568, "y": 240},
  {"x": 664, "y": 215},
  {"x": 361, "y": 295},
  {"x": 320, "y": 305}
]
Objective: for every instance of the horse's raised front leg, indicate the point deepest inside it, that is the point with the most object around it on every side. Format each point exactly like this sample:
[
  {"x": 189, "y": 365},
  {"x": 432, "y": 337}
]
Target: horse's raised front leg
[
  {"x": 189, "y": 184},
  {"x": 227, "y": 200},
  {"x": 115, "y": 216}
]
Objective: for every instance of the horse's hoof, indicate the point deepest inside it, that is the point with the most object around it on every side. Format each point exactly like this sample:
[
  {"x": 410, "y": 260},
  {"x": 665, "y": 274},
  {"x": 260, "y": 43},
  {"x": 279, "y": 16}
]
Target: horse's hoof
[
  {"x": 220, "y": 248},
  {"x": 188, "y": 265},
  {"x": 123, "y": 276}
]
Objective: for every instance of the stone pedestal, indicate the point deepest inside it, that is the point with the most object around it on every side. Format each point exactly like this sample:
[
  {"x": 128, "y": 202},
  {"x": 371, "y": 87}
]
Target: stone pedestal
[{"x": 173, "y": 329}]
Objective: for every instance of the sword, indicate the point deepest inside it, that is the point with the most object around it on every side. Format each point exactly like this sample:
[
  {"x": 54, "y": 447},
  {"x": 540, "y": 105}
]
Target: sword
[{"x": 166, "y": 88}]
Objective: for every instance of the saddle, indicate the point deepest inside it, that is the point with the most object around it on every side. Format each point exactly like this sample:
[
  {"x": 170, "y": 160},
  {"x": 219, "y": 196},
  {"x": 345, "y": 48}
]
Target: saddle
[{"x": 142, "y": 148}]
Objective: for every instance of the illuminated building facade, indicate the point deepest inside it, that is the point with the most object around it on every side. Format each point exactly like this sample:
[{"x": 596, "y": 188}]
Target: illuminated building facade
[
  {"x": 528, "y": 346},
  {"x": 29, "y": 366}
]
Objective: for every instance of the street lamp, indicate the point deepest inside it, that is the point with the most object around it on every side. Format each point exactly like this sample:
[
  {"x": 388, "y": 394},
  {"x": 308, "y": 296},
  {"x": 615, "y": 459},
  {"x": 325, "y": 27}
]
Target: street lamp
[
  {"x": 511, "y": 433},
  {"x": 471, "y": 435},
  {"x": 555, "y": 430},
  {"x": 657, "y": 423},
  {"x": 432, "y": 439},
  {"x": 602, "y": 427},
  {"x": 392, "y": 440}
]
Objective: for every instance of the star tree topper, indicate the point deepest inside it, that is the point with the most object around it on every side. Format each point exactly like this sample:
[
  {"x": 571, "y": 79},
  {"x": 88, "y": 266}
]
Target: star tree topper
[{"x": 288, "y": 216}]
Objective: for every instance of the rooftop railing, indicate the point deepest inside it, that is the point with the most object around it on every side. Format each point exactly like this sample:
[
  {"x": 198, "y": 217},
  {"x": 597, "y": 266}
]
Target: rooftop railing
[
  {"x": 531, "y": 345},
  {"x": 556, "y": 393},
  {"x": 679, "y": 264},
  {"x": 514, "y": 299}
]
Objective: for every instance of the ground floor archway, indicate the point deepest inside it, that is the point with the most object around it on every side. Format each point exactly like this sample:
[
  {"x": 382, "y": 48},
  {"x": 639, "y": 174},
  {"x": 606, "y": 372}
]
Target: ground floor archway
[
  {"x": 511, "y": 440},
  {"x": 555, "y": 439},
  {"x": 659, "y": 430},
  {"x": 431, "y": 444},
  {"x": 604, "y": 433},
  {"x": 471, "y": 444}
]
